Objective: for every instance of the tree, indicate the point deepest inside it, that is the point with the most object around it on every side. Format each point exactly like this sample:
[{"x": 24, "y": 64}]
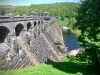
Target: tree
[
  {"x": 73, "y": 21},
  {"x": 2, "y": 11},
  {"x": 88, "y": 21},
  {"x": 56, "y": 9},
  {"x": 62, "y": 18}
]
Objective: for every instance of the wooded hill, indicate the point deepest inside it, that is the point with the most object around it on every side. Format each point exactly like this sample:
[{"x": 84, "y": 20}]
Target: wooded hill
[{"x": 57, "y": 9}]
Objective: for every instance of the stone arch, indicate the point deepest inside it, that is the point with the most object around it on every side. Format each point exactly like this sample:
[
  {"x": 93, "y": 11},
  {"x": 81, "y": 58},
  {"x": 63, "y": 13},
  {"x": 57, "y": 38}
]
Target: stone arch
[
  {"x": 38, "y": 22},
  {"x": 4, "y": 31},
  {"x": 28, "y": 25},
  {"x": 35, "y": 23},
  {"x": 18, "y": 29}
]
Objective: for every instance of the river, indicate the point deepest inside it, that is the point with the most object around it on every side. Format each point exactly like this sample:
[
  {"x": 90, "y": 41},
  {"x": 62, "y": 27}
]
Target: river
[{"x": 70, "y": 40}]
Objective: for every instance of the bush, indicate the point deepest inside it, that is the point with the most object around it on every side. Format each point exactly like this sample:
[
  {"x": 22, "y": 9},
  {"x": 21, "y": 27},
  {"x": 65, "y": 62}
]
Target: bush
[{"x": 62, "y": 18}]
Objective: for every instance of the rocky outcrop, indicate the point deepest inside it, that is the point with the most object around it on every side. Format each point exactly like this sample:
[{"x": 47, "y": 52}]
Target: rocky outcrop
[
  {"x": 40, "y": 44},
  {"x": 75, "y": 52}
]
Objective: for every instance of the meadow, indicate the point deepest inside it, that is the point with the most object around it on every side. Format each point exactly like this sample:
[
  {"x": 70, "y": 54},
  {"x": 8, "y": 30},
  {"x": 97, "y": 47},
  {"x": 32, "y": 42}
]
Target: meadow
[{"x": 66, "y": 67}]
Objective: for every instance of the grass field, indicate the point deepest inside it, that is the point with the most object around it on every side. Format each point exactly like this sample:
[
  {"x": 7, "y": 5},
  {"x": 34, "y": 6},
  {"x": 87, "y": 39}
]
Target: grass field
[
  {"x": 66, "y": 67},
  {"x": 63, "y": 23}
]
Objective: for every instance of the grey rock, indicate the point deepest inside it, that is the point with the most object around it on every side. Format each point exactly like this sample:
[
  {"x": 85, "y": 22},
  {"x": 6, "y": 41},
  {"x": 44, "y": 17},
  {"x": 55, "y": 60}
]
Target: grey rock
[{"x": 25, "y": 46}]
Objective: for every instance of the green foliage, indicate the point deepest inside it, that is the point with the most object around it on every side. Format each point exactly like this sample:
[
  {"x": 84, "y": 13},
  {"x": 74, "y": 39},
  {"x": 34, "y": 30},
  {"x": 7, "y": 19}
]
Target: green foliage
[
  {"x": 3, "y": 11},
  {"x": 65, "y": 9},
  {"x": 88, "y": 21},
  {"x": 71, "y": 24},
  {"x": 63, "y": 22},
  {"x": 73, "y": 21},
  {"x": 72, "y": 58},
  {"x": 56, "y": 9},
  {"x": 63, "y": 18},
  {"x": 66, "y": 67},
  {"x": 72, "y": 29}
]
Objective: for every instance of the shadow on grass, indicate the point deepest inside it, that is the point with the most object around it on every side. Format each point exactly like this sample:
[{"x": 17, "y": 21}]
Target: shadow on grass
[{"x": 73, "y": 68}]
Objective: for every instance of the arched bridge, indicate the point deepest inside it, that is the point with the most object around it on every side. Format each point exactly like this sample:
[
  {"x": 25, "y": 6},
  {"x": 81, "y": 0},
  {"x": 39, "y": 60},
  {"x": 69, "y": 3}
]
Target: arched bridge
[{"x": 15, "y": 25}]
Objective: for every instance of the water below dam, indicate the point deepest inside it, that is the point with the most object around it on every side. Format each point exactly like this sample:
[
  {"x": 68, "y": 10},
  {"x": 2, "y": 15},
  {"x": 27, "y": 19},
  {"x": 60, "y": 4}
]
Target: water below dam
[{"x": 70, "y": 40}]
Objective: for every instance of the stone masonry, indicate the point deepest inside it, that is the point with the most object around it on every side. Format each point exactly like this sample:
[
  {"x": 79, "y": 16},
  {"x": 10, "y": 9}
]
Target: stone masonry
[{"x": 30, "y": 40}]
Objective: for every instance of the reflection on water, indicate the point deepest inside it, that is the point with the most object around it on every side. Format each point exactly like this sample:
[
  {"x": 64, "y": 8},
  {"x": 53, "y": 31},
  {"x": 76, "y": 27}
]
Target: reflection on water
[{"x": 70, "y": 41}]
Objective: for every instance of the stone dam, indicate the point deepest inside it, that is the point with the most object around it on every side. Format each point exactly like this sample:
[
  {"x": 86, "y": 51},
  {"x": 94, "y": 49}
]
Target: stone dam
[{"x": 30, "y": 40}]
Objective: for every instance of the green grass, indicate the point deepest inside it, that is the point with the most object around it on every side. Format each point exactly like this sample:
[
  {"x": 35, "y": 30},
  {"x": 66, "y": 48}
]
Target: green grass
[
  {"x": 63, "y": 23},
  {"x": 67, "y": 67}
]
